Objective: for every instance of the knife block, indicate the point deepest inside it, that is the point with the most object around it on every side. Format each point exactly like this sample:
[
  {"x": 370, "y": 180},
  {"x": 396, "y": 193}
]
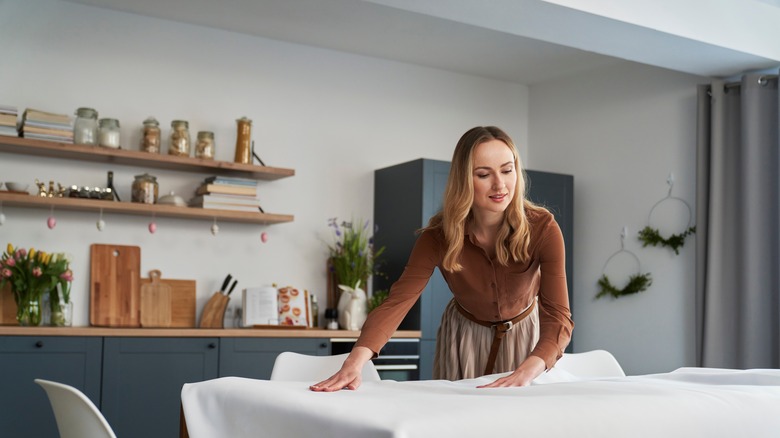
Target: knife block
[{"x": 214, "y": 311}]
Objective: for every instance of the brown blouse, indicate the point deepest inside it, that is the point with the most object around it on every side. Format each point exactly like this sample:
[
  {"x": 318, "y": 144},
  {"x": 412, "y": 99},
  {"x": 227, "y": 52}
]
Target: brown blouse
[{"x": 487, "y": 289}]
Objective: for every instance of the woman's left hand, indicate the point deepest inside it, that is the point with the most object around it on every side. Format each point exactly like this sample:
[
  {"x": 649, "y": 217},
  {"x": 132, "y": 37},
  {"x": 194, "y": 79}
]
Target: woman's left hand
[{"x": 531, "y": 368}]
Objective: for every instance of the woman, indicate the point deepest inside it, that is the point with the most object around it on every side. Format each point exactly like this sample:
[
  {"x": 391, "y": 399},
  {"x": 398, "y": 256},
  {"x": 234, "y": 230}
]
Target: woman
[{"x": 503, "y": 259}]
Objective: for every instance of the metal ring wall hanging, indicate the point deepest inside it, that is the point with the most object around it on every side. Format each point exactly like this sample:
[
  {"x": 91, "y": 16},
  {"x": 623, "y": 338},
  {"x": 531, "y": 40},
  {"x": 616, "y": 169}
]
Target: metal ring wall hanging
[
  {"x": 651, "y": 236},
  {"x": 637, "y": 282}
]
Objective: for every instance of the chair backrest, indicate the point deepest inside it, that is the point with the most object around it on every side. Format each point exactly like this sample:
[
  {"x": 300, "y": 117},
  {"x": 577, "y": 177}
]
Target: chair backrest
[
  {"x": 76, "y": 415},
  {"x": 292, "y": 366},
  {"x": 594, "y": 363}
]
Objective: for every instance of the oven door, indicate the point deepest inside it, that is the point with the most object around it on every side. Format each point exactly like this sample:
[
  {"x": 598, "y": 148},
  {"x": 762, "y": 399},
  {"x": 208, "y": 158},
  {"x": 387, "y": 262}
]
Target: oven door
[{"x": 398, "y": 360}]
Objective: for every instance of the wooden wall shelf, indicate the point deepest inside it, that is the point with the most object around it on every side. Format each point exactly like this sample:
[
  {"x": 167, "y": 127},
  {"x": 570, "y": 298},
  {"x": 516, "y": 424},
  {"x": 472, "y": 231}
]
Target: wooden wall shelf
[
  {"x": 40, "y": 148},
  {"x": 16, "y": 200},
  {"x": 17, "y": 145}
]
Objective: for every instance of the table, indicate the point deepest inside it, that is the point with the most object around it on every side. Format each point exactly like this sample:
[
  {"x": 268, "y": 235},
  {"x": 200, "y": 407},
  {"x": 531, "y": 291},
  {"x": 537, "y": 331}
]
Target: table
[{"x": 689, "y": 402}]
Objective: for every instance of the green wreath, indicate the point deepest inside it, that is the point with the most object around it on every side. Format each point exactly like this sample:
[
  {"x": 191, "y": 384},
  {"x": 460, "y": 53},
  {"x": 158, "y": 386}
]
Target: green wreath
[
  {"x": 636, "y": 283},
  {"x": 651, "y": 236}
]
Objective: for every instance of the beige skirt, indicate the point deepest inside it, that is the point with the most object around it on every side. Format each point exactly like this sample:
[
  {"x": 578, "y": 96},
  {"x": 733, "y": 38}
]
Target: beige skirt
[{"x": 463, "y": 346}]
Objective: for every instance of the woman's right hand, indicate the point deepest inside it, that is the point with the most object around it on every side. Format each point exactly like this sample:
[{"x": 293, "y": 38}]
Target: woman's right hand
[{"x": 350, "y": 374}]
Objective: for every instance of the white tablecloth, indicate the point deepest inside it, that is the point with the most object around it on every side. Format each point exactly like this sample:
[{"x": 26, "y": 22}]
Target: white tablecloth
[{"x": 689, "y": 402}]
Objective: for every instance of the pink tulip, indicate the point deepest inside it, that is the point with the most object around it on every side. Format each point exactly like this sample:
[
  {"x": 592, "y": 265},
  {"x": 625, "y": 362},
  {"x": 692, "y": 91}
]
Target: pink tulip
[
  {"x": 7, "y": 273},
  {"x": 21, "y": 252},
  {"x": 10, "y": 262},
  {"x": 37, "y": 272},
  {"x": 67, "y": 275}
]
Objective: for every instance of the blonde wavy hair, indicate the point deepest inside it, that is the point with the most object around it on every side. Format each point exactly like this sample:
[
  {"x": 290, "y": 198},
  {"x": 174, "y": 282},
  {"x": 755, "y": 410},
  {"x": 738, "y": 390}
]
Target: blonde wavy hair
[{"x": 514, "y": 235}]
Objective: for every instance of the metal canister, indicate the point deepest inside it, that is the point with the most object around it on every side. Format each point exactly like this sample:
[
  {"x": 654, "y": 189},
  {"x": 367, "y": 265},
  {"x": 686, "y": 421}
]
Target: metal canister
[
  {"x": 145, "y": 189},
  {"x": 243, "y": 141}
]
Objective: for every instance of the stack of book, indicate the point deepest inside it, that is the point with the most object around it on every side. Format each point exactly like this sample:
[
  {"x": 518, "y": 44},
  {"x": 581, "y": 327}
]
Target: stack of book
[
  {"x": 47, "y": 126},
  {"x": 8, "y": 115},
  {"x": 226, "y": 193}
]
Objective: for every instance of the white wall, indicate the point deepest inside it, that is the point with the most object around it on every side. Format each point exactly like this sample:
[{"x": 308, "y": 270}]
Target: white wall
[
  {"x": 333, "y": 117},
  {"x": 620, "y": 132}
]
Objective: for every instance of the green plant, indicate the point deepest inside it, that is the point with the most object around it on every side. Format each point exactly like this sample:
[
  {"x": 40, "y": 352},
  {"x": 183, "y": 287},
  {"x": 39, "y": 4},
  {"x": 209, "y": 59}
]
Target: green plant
[
  {"x": 636, "y": 283},
  {"x": 353, "y": 257},
  {"x": 650, "y": 236},
  {"x": 377, "y": 298}
]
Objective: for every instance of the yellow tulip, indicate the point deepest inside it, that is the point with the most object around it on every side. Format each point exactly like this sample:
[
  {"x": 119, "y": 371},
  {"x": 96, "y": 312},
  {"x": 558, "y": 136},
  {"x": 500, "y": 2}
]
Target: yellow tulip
[
  {"x": 9, "y": 249},
  {"x": 31, "y": 254}
]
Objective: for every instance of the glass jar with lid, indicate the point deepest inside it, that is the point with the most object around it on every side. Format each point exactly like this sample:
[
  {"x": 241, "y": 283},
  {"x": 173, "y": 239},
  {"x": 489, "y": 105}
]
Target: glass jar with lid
[
  {"x": 180, "y": 139},
  {"x": 108, "y": 134},
  {"x": 85, "y": 128},
  {"x": 150, "y": 141},
  {"x": 205, "y": 146},
  {"x": 145, "y": 189}
]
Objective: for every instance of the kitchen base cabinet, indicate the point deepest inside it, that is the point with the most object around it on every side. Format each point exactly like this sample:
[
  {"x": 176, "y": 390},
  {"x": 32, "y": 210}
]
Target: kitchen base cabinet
[
  {"x": 143, "y": 377},
  {"x": 24, "y": 407},
  {"x": 254, "y": 357}
]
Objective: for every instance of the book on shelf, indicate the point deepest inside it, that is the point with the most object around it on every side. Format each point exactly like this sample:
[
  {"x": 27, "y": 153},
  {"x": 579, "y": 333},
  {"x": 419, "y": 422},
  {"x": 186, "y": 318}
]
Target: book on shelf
[
  {"x": 9, "y": 131},
  {"x": 47, "y": 125},
  {"x": 8, "y": 119},
  {"x": 43, "y": 116},
  {"x": 228, "y": 199},
  {"x": 207, "y": 188},
  {"x": 232, "y": 207},
  {"x": 8, "y": 109},
  {"x": 57, "y": 138},
  {"x": 228, "y": 180},
  {"x": 47, "y": 131}
]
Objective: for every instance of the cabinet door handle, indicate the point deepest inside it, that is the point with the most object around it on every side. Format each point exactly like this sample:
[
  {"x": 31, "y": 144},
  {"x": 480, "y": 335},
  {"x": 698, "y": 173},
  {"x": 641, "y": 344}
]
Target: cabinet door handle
[
  {"x": 323, "y": 345},
  {"x": 39, "y": 344},
  {"x": 212, "y": 345}
]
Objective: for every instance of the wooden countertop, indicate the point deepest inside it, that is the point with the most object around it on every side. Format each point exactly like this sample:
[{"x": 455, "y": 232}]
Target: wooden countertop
[{"x": 190, "y": 332}]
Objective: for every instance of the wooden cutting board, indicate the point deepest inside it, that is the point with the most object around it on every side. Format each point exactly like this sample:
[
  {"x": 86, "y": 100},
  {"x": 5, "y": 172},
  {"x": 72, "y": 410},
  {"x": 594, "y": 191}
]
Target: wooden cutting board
[
  {"x": 183, "y": 302},
  {"x": 115, "y": 285},
  {"x": 155, "y": 302},
  {"x": 7, "y": 306}
]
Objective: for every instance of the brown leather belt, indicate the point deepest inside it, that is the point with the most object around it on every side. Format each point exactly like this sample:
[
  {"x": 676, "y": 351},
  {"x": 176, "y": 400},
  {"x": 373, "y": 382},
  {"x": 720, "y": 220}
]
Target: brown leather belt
[{"x": 499, "y": 331}]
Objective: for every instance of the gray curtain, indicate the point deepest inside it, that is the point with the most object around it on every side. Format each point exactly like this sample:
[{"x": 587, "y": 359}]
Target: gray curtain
[{"x": 737, "y": 226}]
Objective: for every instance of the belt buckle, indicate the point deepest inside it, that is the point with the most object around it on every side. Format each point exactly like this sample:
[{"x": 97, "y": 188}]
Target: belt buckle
[{"x": 505, "y": 326}]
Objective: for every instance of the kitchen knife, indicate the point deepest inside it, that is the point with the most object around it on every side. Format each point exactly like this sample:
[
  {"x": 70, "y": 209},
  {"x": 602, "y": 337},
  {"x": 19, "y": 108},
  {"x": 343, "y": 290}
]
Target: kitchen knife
[
  {"x": 232, "y": 287},
  {"x": 225, "y": 284}
]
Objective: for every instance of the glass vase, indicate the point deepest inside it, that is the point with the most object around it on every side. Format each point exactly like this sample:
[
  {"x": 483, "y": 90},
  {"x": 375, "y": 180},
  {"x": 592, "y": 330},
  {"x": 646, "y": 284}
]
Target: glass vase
[
  {"x": 28, "y": 312},
  {"x": 61, "y": 314}
]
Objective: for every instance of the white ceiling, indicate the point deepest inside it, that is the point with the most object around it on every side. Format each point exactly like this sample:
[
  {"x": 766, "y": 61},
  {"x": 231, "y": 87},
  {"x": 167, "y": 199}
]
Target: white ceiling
[{"x": 524, "y": 41}]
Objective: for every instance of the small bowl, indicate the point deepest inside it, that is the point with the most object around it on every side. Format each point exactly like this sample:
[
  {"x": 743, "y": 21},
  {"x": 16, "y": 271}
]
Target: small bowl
[
  {"x": 172, "y": 199},
  {"x": 17, "y": 187}
]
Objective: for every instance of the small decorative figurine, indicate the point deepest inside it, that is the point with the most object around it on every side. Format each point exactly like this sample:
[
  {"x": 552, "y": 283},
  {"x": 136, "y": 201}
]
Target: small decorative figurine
[{"x": 41, "y": 188}]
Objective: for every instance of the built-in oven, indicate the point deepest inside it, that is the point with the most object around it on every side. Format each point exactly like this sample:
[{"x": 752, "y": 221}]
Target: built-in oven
[{"x": 398, "y": 360}]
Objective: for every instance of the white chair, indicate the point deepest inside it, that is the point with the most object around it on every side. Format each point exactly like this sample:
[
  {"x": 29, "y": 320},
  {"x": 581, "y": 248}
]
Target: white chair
[
  {"x": 292, "y": 366},
  {"x": 76, "y": 415},
  {"x": 593, "y": 364}
]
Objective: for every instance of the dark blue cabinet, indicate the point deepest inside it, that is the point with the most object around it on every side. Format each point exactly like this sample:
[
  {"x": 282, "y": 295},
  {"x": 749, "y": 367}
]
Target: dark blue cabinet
[
  {"x": 254, "y": 357},
  {"x": 143, "y": 377},
  {"x": 135, "y": 381},
  {"x": 24, "y": 407},
  {"x": 406, "y": 196}
]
